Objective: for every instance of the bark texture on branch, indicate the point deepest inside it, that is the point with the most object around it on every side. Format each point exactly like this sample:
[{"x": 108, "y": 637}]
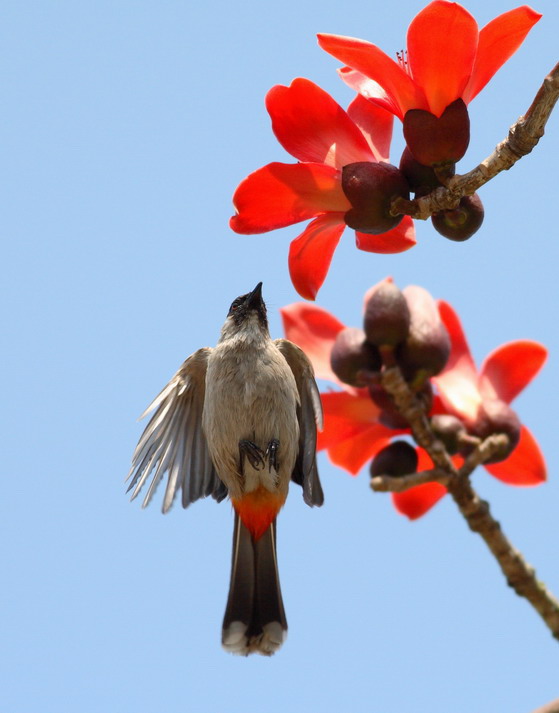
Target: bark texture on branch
[
  {"x": 522, "y": 138},
  {"x": 518, "y": 573},
  {"x": 551, "y": 707}
]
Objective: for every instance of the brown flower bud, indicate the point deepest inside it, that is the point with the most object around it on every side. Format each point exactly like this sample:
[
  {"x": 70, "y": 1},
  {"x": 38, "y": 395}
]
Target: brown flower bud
[
  {"x": 495, "y": 416},
  {"x": 463, "y": 221},
  {"x": 448, "y": 429},
  {"x": 352, "y": 354},
  {"x": 387, "y": 315},
  {"x": 436, "y": 141},
  {"x": 371, "y": 188},
  {"x": 421, "y": 179},
  {"x": 427, "y": 346},
  {"x": 397, "y": 459}
]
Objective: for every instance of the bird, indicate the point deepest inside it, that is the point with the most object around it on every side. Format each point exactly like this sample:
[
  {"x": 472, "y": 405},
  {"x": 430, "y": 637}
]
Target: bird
[{"x": 239, "y": 420}]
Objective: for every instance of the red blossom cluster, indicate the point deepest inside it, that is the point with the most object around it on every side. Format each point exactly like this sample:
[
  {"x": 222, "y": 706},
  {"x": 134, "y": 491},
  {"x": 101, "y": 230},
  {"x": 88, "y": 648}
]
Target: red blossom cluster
[
  {"x": 425, "y": 339},
  {"x": 342, "y": 177}
]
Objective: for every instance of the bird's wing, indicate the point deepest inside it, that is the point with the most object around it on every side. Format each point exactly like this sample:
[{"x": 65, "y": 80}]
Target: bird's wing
[
  {"x": 173, "y": 441},
  {"x": 309, "y": 414}
]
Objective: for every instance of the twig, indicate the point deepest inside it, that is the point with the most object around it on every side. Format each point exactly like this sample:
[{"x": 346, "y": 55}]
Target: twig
[
  {"x": 393, "y": 484},
  {"x": 522, "y": 138},
  {"x": 484, "y": 451},
  {"x": 397, "y": 484},
  {"x": 394, "y": 383},
  {"x": 551, "y": 707},
  {"x": 518, "y": 573}
]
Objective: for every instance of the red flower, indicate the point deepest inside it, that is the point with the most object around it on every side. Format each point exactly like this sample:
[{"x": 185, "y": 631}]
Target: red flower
[
  {"x": 447, "y": 58},
  {"x": 352, "y": 434},
  {"x": 314, "y": 129}
]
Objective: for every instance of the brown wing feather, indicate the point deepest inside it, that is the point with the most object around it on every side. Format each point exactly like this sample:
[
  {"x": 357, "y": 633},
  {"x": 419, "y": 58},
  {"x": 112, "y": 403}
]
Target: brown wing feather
[
  {"x": 309, "y": 415},
  {"x": 173, "y": 441}
]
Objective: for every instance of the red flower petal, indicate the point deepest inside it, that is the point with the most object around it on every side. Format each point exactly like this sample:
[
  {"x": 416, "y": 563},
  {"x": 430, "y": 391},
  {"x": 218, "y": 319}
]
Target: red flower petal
[
  {"x": 369, "y": 89},
  {"x": 375, "y": 125},
  {"x": 524, "y": 466},
  {"x": 415, "y": 502},
  {"x": 510, "y": 368},
  {"x": 498, "y": 41},
  {"x": 311, "y": 253},
  {"x": 457, "y": 384},
  {"x": 442, "y": 43},
  {"x": 352, "y": 454},
  {"x": 351, "y": 431},
  {"x": 346, "y": 415},
  {"x": 314, "y": 330},
  {"x": 281, "y": 194},
  {"x": 313, "y": 127},
  {"x": 397, "y": 240},
  {"x": 375, "y": 64}
]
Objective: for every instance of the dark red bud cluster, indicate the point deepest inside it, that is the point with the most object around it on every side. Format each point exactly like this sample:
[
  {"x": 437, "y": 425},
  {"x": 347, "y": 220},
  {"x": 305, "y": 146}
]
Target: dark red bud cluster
[
  {"x": 400, "y": 328},
  {"x": 403, "y": 328},
  {"x": 371, "y": 188},
  {"x": 434, "y": 145}
]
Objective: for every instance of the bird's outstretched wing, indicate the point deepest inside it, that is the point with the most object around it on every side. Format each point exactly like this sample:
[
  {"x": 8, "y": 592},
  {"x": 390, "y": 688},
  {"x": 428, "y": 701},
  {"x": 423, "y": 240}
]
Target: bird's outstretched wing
[
  {"x": 309, "y": 415},
  {"x": 173, "y": 441}
]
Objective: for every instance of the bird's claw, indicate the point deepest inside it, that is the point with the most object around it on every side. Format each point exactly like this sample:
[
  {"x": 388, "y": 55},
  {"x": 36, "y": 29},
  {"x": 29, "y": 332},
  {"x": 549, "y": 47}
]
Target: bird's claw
[
  {"x": 254, "y": 455},
  {"x": 272, "y": 454}
]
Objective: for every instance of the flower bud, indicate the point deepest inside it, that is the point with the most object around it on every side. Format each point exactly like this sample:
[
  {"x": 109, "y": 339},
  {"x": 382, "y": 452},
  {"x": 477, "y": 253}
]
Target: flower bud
[
  {"x": 352, "y": 354},
  {"x": 371, "y": 188},
  {"x": 387, "y": 315},
  {"x": 462, "y": 222},
  {"x": 427, "y": 346},
  {"x": 435, "y": 141},
  {"x": 421, "y": 179},
  {"x": 449, "y": 430},
  {"x": 495, "y": 416},
  {"x": 397, "y": 459}
]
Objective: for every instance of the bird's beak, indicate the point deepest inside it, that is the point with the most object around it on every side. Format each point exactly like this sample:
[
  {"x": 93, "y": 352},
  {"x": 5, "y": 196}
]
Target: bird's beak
[{"x": 254, "y": 299}]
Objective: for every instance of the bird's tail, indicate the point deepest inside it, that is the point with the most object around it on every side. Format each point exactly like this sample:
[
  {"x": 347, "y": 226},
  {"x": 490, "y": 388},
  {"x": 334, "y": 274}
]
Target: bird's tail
[{"x": 254, "y": 620}]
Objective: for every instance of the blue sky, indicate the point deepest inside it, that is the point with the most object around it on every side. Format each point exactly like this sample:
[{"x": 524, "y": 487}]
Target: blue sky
[{"x": 126, "y": 127}]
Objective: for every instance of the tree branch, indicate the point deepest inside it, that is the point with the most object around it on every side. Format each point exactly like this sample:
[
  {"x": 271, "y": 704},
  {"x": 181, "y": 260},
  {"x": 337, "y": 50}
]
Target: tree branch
[
  {"x": 394, "y": 383},
  {"x": 522, "y": 138},
  {"x": 551, "y": 707},
  {"x": 397, "y": 484},
  {"x": 518, "y": 573}
]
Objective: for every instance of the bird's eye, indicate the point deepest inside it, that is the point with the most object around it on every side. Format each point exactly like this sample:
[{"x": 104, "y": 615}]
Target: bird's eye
[{"x": 235, "y": 305}]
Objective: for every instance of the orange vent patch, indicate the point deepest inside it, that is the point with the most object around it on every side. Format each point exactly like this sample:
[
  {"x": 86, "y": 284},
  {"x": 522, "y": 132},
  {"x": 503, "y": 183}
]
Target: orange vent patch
[{"x": 258, "y": 509}]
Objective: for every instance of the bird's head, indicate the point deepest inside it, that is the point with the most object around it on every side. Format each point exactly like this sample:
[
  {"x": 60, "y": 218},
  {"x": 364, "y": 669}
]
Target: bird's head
[{"x": 247, "y": 316}]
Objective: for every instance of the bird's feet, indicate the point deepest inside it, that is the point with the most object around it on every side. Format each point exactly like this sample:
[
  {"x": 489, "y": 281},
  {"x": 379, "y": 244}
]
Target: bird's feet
[
  {"x": 254, "y": 455},
  {"x": 272, "y": 455}
]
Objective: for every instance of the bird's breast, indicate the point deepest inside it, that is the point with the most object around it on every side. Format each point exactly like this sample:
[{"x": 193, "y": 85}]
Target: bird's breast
[{"x": 250, "y": 395}]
